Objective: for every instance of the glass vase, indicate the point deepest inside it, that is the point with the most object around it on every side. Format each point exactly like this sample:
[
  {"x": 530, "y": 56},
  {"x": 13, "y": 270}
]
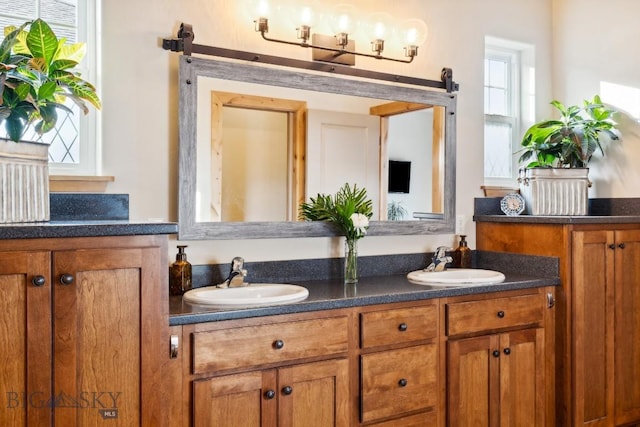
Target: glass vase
[{"x": 351, "y": 261}]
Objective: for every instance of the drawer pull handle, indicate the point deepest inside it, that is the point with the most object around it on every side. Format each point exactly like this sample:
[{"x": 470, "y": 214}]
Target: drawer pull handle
[
  {"x": 403, "y": 382},
  {"x": 496, "y": 353},
  {"x": 551, "y": 301},
  {"x": 38, "y": 281},
  {"x": 507, "y": 351},
  {"x": 501, "y": 314},
  {"x": 278, "y": 344},
  {"x": 402, "y": 327},
  {"x": 269, "y": 394},
  {"x": 287, "y": 390},
  {"x": 174, "y": 345},
  {"x": 66, "y": 279}
]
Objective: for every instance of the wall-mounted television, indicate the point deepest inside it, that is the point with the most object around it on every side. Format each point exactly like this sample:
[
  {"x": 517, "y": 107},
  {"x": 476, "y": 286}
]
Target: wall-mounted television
[{"x": 399, "y": 176}]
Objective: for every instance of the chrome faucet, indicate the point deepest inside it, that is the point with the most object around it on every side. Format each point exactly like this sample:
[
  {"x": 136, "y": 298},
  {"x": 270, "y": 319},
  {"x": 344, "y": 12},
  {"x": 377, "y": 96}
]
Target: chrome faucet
[
  {"x": 236, "y": 275},
  {"x": 439, "y": 260}
]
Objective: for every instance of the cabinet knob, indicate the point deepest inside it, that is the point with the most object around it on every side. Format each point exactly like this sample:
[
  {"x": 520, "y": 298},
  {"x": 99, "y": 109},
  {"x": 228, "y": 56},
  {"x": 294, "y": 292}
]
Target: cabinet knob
[
  {"x": 500, "y": 314},
  {"x": 66, "y": 279},
  {"x": 402, "y": 327},
  {"x": 612, "y": 246},
  {"x": 278, "y": 344},
  {"x": 496, "y": 353},
  {"x": 287, "y": 390},
  {"x": 402, "y": 382},
  {"x": 622, "y": 246},
  {"x": 269, "y": 394},
  {"x": 507, "y": 351},
  {"x": 38, "y": 280}
]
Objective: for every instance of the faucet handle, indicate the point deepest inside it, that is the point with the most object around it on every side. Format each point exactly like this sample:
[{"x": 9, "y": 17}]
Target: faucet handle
[{"x": 441, "y": 252}]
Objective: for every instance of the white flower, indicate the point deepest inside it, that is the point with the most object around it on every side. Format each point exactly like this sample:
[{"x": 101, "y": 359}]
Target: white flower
[{"x": 360, "y": 223}]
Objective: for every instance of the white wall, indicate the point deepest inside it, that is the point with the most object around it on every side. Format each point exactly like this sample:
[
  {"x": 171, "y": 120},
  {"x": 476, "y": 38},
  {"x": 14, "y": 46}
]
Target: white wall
[
  {"x": 139, "y": 92},
  {"x": 595, "y": 42}
]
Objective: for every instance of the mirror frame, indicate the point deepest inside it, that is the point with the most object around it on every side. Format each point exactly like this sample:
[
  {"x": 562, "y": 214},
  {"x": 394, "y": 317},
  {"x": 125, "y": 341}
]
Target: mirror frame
[{"x": 190, "y": 68}]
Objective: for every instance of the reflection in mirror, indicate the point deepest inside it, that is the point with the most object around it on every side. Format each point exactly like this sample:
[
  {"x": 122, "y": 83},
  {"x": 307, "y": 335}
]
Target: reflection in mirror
[{"x": 263, "y": 140}]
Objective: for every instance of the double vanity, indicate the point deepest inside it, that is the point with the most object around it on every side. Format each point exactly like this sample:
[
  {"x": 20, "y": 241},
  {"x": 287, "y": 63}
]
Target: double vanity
[{"x": 384, "y": 352}]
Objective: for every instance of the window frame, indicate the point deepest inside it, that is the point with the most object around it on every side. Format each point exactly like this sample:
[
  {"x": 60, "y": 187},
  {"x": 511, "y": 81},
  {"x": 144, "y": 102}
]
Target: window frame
[{"x": 521, "y": 81}]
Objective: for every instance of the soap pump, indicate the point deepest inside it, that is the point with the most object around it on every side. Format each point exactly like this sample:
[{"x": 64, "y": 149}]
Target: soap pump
[
  {"x": 180, "y": 273},
  {"x": 462, "y": 254}
]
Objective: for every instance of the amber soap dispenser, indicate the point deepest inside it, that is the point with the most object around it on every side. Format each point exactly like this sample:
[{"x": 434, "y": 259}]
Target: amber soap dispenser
[
  {"x": 462, "y": 254},
  {"x": 180, "y": 273}
]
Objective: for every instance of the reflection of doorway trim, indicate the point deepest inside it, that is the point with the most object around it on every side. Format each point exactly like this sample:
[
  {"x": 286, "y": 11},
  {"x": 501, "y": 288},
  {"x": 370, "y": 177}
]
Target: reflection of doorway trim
[
  {"x": 438, "y": 144},
  {"x": 296, "y": 149}
]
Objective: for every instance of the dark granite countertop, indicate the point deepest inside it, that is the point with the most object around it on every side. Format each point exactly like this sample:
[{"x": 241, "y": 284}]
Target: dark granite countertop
[
  {"x": 541, "y": 219},
  {"x": 55, "y": 229},
  {"x": 601, "y": 211},
  {"x": 332, "y": 294}
]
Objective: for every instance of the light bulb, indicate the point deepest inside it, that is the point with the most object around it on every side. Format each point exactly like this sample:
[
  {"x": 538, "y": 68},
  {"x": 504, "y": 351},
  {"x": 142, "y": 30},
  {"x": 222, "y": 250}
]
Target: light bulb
[
  {"x": 302, "y": 17},
  {"x": 343, "y": 19},
  {"x": 414, "y": 32},
  {"x": 259, "y": 12},
  {"x": 378, "y": 27}
]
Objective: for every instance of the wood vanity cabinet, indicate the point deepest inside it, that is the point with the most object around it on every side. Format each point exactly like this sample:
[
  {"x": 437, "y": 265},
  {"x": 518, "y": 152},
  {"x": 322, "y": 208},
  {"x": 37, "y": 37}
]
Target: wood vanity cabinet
[
  {"x": 81, "y": 331},
  {"x": 399, "y": 365},
  {"x": 497, "y": 362},
  {"x": 278, "y": 371},
  {"x": 598, "y": 313}
]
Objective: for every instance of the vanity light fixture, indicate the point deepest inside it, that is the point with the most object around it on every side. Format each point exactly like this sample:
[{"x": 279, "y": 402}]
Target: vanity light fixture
[{"x": 344, "y": 24}]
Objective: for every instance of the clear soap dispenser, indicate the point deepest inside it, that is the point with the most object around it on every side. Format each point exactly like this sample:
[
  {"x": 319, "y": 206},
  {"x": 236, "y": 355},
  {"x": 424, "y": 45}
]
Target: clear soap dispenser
[
  {"x": 462, "y": 254},
  {"x": 180, "y": 273}
]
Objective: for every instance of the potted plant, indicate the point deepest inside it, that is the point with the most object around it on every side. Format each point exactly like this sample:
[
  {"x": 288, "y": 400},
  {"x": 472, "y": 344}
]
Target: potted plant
[
  {"x": 555, "y": 181},
  {"x": 37, "y": 76}
]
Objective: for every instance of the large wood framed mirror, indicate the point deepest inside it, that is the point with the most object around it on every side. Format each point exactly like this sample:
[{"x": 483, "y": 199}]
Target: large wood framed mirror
[{"x": 256, "y": 140}]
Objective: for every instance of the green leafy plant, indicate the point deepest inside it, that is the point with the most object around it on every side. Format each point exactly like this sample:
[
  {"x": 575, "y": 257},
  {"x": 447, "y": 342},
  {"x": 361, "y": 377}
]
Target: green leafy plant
[
  {"x": 396, "y": 211},
  {"x": 37, "y": 76},
  {"x": 571, "y": 141},
  {"x": 350, "y": 210}
]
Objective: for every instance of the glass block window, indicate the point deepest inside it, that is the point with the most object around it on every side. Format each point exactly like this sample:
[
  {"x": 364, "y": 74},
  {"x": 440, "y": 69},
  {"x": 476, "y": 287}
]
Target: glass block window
[
  {"x": 500, "y": 112},
  {"x": 72, "y": 142}
]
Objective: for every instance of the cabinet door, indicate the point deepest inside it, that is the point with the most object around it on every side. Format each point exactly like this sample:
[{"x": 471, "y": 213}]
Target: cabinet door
[
  {"x": 593, "y": 372},
  {"x": 472, "y": 381},
  {"x": 241, "y": 400},
  {"x": 25, "y": 338},
  {"x": 627, "y": 326},
  {"x": 522, "y": 380},
  {"x": 98, "y": 323},
  {"x": 314, "y": 394}
]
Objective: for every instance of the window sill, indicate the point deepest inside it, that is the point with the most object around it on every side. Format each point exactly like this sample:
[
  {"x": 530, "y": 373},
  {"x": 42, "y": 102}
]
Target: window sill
[{"x": 79, "y": 184}]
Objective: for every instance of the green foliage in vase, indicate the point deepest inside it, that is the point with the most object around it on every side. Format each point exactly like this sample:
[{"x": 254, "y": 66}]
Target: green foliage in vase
[
  {"x": 349, "y": 209},
  {"x": 571, "y": 141},
  {"x": 37, "y": 76}
]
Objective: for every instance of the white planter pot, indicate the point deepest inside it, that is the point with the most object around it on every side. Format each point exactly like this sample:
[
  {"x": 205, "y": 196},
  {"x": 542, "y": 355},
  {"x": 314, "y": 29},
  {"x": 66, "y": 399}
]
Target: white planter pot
[
  {"x": 555, "y": 191},
  {"x": 24, "y": 182}
]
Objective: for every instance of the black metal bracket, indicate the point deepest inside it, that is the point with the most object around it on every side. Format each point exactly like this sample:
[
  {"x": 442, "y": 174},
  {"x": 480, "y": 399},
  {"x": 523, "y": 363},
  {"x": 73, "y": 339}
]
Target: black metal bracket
[{"x": 184, "y": 43}]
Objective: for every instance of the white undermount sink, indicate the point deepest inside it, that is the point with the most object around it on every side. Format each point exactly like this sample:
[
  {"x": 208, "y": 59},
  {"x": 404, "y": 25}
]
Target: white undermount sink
[
  {"x": 254, "y": 295},
  {"x": 456, "y": 277}
]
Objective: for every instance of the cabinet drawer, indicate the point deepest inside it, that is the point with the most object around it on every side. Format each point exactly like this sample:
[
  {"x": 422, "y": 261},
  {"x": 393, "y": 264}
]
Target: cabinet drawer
[
  {"x": 425, "y": 419},
  {"x": 398, "y": 381},
  {"x": 398, "y": 326},
  {"x": 266, "y": 344},
  {"x": 477, "y": 316}
]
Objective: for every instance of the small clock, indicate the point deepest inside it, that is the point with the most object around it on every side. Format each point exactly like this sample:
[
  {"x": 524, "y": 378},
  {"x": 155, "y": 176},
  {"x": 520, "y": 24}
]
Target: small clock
[{"x": 512, "y": 204}]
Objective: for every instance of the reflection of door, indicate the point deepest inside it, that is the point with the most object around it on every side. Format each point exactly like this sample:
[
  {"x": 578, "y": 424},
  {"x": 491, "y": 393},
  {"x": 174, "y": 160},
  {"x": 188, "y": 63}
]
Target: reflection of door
[
  {"x": 343, "y": 148},
  {"x": 261, "y": 140}
]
